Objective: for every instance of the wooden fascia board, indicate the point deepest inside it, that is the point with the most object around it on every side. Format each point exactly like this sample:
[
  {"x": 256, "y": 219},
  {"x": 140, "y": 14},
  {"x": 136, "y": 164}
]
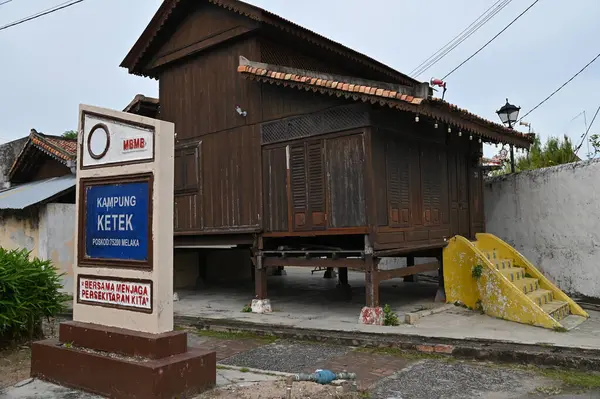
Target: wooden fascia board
[{"x": 200, "y": 46}]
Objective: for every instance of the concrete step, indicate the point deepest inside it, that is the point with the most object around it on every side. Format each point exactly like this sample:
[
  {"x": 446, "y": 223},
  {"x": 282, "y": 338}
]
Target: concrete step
[
  {"x": 513, "y": 274},
  {"x": 499, "y": 263},
  {"x": 527, "y": 284},
  {"x": 503, "y": 264},
  {"x": 541, "y": 297},
  {"x": 572, "y": 321},
  {"x": 558, "y": 310}
]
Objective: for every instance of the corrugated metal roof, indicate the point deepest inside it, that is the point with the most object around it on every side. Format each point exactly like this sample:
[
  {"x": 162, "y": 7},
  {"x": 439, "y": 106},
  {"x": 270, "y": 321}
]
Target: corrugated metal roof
[{"x": 24, "y": 195}]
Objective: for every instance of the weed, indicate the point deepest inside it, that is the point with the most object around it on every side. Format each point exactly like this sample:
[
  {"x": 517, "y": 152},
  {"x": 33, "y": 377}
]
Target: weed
[
  {"x": 573, "y": 378},
  {"x": 247, "y": 308},
  {"x": 68, "y": 344},
  {"x": 477, "y": 271},
  {"x": 560, "y": 329},
  {"x": 479, "y": 306},
  {"x": 244, "y": 370},
  {"x": 389, "y": 317}
]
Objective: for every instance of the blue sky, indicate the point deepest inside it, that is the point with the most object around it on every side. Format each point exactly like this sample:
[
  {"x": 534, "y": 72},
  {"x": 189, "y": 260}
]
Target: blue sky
[{"x": 50, "y": 65}]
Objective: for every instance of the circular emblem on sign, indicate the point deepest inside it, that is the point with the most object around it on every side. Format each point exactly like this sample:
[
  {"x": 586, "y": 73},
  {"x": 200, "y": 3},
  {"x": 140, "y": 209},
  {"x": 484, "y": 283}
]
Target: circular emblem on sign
[{"x": 98, "y": 141}]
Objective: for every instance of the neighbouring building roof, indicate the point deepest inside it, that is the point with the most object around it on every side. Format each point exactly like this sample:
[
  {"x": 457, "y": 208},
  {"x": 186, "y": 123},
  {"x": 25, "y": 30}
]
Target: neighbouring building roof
[
  {"x": 407, "y": 98},
  {"x": 28, "y": 194},
  {"x": 143, "y": 105},
  {"x": 134, "y": 59},
  {"x": 59, "y": 148}
]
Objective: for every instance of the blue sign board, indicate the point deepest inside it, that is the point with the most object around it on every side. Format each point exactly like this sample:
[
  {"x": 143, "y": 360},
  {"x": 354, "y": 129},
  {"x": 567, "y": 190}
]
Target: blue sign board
[{"x": 116, "y": 221}]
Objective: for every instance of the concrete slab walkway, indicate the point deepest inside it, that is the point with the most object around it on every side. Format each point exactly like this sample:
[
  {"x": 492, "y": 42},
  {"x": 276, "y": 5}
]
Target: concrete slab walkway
[{"x": 306, "y": 301}]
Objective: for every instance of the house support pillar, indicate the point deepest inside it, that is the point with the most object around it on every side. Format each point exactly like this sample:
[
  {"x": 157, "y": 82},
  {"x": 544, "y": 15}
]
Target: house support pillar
[
  {"x": 410, "y": 261},
  {"x": 260, "y": 304},
  {"x": 372, "y": 313}
]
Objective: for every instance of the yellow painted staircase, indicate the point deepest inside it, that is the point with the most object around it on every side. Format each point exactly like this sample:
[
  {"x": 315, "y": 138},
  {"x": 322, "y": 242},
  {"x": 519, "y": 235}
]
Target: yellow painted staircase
[{"x": 490, "y": 275}]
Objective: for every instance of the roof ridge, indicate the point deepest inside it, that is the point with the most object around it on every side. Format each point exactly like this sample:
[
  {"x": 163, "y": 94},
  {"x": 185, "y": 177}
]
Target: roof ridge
[
  {"x": 421, "y": 91},
  {"x": 261, "y": 15}
]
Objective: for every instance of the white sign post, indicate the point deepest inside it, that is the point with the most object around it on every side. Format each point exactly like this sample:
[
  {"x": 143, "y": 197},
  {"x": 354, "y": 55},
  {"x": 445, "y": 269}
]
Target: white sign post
[{"x": 124, "y": 268}]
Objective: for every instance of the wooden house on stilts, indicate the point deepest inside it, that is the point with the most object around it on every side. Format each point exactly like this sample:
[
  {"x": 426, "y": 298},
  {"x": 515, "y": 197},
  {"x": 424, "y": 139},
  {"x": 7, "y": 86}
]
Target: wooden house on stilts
[{"x": 306, "y": 152}]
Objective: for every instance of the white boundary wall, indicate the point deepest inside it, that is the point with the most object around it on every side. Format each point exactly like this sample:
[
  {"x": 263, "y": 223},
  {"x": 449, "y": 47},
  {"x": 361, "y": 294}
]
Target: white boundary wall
[{"x": 552, "y": 216}]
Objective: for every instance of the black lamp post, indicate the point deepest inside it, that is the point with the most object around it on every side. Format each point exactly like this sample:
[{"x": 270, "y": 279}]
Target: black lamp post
[{"x": 508, "y": 115}]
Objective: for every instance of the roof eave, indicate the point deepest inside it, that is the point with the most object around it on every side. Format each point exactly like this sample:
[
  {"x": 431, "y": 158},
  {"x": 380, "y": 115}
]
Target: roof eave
[{"x": 380, "y": 94}]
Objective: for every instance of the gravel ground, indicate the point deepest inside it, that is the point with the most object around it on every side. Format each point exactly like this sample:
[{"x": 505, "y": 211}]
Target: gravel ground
[
  {"x": 287, "y": 357},
  {"x": 458, "y": 380},
  {"x": 277, "y": 390}
]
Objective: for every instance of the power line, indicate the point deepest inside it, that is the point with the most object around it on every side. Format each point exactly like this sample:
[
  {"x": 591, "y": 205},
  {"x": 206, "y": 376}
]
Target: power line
[
  {"x": 491, "y": 40},
  {"x": 587, "y": 131},
  {"x": 451, "y": 41},
  {"x": 460, "y": 38},
  {"x": 4, "y": 2},
  {"x": 41, "y": 13},
  {"x": 563, "y": 85}
]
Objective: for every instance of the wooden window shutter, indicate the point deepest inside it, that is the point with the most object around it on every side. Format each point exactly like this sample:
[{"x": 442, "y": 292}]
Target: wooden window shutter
[
  {"x": 432, "y": 160},
  {"x": 316, "y": 183},
  {"x": 298, "y": 184},
  {"x": 399, "y": 184}
]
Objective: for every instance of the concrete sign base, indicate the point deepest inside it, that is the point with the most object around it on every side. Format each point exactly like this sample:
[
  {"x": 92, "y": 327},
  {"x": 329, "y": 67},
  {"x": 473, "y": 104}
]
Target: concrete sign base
[{"x": 119, "y": 363}]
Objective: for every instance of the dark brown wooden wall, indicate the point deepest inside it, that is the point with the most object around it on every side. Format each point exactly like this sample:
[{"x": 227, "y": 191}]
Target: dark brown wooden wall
[
  {"x": 218, "y": 160},
  {"x": 225, "y": 181},
  {"x": 427, "y": 185},
  {"x": 50, "y": 168},
  {"x": 315, "y": 184}
]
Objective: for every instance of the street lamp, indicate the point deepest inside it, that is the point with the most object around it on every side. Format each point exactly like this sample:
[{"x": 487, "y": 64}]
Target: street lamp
[{"x": 508, "y": 115}]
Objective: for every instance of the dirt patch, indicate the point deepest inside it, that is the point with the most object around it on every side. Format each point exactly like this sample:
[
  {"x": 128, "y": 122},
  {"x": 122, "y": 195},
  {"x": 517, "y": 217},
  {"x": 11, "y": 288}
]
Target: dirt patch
[
  {"x": 15, "y": 365},
  {"x": 277, "y": 390}
]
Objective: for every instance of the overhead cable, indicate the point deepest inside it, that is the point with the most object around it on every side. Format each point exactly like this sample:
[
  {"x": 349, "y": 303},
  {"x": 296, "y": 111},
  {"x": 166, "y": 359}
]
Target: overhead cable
[
  {"x": 460, "y": 38},
  {"x": 491, "y": 40},
  {"x": 41, "y": 14}
]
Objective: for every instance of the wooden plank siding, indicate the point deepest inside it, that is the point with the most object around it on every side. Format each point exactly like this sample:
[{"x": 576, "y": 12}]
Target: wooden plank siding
[
  {"x": 320, "y": 185},
  {"x": 433, "y": 187},
  {"x": 345, "y": 158},
  {"x": 300, "y": 163}
]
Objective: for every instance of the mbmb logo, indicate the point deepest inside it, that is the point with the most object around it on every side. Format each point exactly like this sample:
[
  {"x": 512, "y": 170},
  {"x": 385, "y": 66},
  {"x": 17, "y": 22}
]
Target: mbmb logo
[{"x": 135, "y": 144}]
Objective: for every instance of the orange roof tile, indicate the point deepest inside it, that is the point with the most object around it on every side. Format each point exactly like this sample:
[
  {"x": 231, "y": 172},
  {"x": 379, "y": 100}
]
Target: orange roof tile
[{"x": 383, "y": 94}]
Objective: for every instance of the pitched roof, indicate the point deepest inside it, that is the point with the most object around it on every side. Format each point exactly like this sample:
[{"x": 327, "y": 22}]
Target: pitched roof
[
  {"x": 61, "y": 149},
  {"x": 143, "y": 105},
  {"x": 406, "y": 98},
  {"x": 167, "y": 10}
]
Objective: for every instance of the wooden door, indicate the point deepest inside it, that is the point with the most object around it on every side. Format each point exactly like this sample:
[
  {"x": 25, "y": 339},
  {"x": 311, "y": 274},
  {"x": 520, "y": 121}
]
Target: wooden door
[{"x": 458, "y": 186}]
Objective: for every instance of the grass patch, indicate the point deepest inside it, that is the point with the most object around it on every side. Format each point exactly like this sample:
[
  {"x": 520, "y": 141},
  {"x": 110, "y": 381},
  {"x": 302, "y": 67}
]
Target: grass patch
[
  {"x": 234, "y": 335},
  {"x": 572, "y": 378},
  {"x": 244, "y": 370}
]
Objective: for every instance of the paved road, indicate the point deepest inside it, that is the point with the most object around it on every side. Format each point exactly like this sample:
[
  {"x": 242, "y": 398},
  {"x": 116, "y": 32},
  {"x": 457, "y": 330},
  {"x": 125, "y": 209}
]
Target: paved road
[
  {"x": 387, "y": 375},
  {"x": 382, "y": 374}
]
